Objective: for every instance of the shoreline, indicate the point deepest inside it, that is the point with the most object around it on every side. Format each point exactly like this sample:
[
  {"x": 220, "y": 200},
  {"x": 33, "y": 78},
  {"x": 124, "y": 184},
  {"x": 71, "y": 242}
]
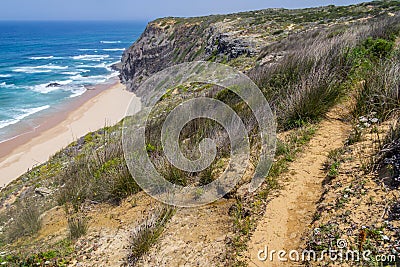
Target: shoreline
[
  {"x": 101, "y": 105},
  {"x": 48, "y": 118}
]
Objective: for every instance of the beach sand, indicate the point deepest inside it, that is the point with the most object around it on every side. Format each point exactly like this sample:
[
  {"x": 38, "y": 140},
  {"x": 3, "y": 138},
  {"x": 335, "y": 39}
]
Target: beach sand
[{"x": 104, "y": 106}]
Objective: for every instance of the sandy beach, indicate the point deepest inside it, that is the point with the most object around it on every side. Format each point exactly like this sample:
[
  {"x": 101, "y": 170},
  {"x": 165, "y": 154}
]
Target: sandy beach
[{"x": 104, "y": 106}]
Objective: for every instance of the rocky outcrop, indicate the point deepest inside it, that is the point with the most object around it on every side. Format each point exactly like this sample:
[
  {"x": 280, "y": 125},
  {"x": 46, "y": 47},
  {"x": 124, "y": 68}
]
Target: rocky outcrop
[
  {"x": 53, "y": 85},
  {"x": 171, "y": 41}
]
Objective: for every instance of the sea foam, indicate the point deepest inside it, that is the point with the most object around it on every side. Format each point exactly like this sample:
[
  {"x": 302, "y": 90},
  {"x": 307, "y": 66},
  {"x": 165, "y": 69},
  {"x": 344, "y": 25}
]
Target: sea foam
[
  {"x": 101, "y": 65},
  {"x": 22, "y": 114},
  {"x": 44, "y": 88},
  {"x": 110, "y": 42},
  {"x": 39, "y": 58},
  {"x": 40, "y": 69},
  {"x": 78, "y": 91},
  {"x": 113, "y": 49},
  {"x": 5, "y": 85},
  {"x": 90, "y": 57}
]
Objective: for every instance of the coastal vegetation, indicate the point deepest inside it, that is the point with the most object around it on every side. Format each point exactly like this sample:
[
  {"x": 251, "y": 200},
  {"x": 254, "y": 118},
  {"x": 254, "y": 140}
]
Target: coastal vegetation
[{"x": 347, "y": 56}]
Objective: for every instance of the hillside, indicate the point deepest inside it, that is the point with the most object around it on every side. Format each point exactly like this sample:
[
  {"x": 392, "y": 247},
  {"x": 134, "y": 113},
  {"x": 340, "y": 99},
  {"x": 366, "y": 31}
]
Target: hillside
[
  {"x": 236, "y": 37},
  {"x": 331, "y": 76}
]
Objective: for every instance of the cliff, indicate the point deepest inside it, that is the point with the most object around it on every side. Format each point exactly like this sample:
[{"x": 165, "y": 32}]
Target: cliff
[
  {"x": 166, "y": 42},
  {"x": 226, "y": 38}
]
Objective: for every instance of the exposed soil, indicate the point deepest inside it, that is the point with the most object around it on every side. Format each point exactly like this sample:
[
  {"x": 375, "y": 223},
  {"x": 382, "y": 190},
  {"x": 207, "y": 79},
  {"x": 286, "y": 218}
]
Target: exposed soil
[
  {"x": 194, "y": 237},
  {"x": 289, "y": 214}
]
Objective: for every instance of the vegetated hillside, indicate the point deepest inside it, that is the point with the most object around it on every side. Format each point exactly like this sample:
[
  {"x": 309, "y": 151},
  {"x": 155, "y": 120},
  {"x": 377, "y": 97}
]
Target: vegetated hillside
[
  {"x": 236, "y": 37},
  {"x": 83, "y": 206}
]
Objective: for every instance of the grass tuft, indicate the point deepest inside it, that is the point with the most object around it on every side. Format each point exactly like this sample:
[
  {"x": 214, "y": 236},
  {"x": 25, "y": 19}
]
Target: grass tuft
[{"x": 147, "y": 234}]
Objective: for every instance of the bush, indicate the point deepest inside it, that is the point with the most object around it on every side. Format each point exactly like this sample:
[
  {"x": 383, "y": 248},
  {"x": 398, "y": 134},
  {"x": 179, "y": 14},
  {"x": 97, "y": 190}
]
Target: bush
[
  {"x": 97, "y": 174},
  {"x": 77, "y": 225},
  {"x": 26, "y": 221},
  {"x": 379, "y": 93},
  {"x": 378, "y": 48}
]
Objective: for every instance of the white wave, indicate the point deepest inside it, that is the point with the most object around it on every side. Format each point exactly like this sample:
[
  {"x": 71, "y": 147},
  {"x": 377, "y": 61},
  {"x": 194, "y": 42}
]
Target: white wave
[
  {"x": 38, "y": 58},
  {"x": 64, "y": 82},
  {"x": 90, "y": 57},
  {"x": 70, "y": 72},
  {"x": 45, "y": 88},
  {"x": 77, "y": 92},
  {"x": 40, "y": 69},
  {"x": 7, "y": 122},
  {"x": 87, "y": 49},
  {"x": 52, "y": 67},
  {"x": 5, "y": 85},
  {"x": 77, "y": 77},
  {"x": 83, "y": 70},
  {"x": 113, "y": 75},
  {"x": 108, "y": 67},
  {"x": 23, "y": 114},
  {"x": 114, "y": 49},
  {"x": 89, "y": 79},
  {"x": 30, "y": 111},
  {"x": 31, "y": 70},
  {"x": 101, "y": 65},
  {"x": 5, "y": 75},
  {"x": 110, "y": 42}
]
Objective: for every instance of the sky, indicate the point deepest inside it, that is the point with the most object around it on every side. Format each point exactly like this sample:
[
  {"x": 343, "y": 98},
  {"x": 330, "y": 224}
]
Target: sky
[{"x": 143, "y": 10}]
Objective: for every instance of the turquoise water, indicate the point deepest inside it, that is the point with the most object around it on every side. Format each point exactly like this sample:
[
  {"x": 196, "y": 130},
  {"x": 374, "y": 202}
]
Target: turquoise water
[{"x": 44, "y": 64}]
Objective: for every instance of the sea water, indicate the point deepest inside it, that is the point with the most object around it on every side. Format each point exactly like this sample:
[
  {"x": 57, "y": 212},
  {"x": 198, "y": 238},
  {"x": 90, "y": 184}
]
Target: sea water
[{"x": 44, "y": 64}]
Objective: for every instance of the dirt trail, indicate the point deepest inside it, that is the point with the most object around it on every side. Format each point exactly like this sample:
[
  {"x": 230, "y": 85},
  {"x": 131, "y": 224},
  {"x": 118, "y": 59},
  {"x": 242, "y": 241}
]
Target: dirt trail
[{"x": 289, "y": 214}]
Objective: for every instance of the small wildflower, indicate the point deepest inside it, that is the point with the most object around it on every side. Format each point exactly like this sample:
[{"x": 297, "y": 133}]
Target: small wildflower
[{"x": 374, "y": 120}]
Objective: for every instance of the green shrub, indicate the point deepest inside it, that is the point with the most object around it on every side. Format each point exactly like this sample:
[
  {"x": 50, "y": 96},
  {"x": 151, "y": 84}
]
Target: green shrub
[
  {"x": 98, "y": 172},
  {"x": 77, "y": 225},
  {"x": 378, "y": 48},
  {"x": 26, "y": 220}
]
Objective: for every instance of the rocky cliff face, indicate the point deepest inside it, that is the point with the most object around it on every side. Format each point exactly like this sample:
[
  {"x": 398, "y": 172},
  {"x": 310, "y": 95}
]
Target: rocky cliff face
[{"x": 171, "y": 41}]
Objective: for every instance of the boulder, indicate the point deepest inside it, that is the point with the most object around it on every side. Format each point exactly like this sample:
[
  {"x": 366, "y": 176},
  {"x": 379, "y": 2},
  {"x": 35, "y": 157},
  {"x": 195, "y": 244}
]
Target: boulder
[
  {"x": 43, "y": 191},
  {"x": 53, "y": 85}
]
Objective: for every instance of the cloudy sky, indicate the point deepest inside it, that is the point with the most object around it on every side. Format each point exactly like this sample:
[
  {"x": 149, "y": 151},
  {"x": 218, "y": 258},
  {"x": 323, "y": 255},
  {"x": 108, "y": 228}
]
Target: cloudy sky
[{"x": 139, "y": 10}]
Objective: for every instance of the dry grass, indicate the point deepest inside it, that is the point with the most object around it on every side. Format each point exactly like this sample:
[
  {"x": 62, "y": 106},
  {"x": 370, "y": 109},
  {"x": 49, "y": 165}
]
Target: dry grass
[
  {"x": 146, "y": 234},
  {"x": 315, "y": 72},
  {"x": 24, "y": 220},
  {"x": 97, "y": 174},
  {"x": 379, "y": 94}
]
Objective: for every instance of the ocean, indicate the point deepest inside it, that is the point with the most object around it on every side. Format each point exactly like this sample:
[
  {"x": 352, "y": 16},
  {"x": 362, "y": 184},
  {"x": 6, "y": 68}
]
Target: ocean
[{"x": 45, "y": 64}]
